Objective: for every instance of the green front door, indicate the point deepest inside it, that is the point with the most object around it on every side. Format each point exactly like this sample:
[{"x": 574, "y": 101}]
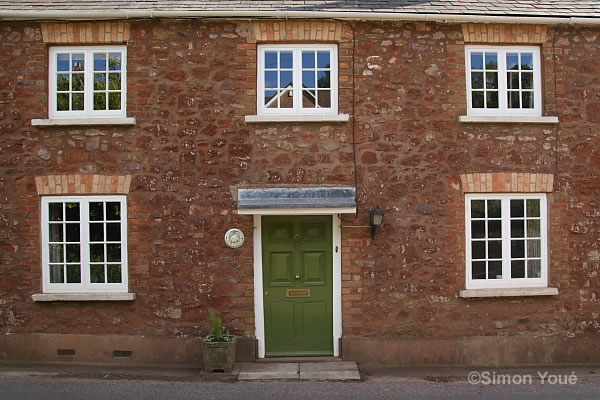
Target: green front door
[{"x": 297, "y": 282}]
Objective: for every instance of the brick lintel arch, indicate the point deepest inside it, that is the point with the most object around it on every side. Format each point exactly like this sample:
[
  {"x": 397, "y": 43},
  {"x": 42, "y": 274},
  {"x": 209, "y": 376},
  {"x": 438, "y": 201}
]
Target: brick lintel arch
[
  {"x": 507, "y": 182},
  {"x": 82, "y": 184}
]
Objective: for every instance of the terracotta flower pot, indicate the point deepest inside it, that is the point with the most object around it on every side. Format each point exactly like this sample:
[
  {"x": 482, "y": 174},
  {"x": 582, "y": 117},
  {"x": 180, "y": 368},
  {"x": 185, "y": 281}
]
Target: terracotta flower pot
[{"x": 218, "y": 356}]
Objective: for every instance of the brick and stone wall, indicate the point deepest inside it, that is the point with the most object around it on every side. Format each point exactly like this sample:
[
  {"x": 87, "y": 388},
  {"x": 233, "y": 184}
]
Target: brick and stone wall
[{"x": 190, "y": 84}]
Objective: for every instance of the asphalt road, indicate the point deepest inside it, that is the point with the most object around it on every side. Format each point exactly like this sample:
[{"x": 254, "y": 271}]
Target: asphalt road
[{"x": 18, "y": 387}]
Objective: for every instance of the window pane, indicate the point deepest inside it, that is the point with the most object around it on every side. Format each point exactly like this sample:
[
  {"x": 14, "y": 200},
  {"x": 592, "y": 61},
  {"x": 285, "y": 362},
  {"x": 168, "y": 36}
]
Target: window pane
[
  {"x": 494, "y": 249},
  {"x": 97, "y": 273},
  {"x": 286, "y": 59},
  {"x": 477, "y": 208},
  {"x": 534, "y": 269},
  {"x": 492, "y": 99},
  {"x": 308, "y": 59},
  {"x": 77, "y": 62},
  {"x": 114, "y": 101},
  {"x": 113, "y": 232},
  {"x": 513, "y": 100},
  {"x": 495, "y": 270},
  {"x": 96, "y": 211},
  {"x": 72, "y": 232},
  {"x": 517, "y": 208},
  {"x": 99, "y": 101},
  {"x": 491, "y": 80},
  {"x": 96, "y": 252},
  {"x": 114, "y": 81},
  {"x": 512, "y": 80},
  {"x": 57, "y": 274},
  {"x": 113, "y": 211},
  {"x": 99, "y": 61},
  {"x": 78, "y": 82},
  {"x": 527, "y": 61},
  {"x": 309, "y": 99},
  {"x": 77, "y": 101},
  {"x": 55, "y": 232},
  {"x": 517, "y": 228},
  {"x": 323, "y": 79},
  {"x": 477, "y": 100},
  {"x": 62, "y": 82},
  {"x": 476, "y": 80},
  {"x": 494, "y": 208},
  {"x": 494, "y": 229},
  {"x": 517, "y": 269},
  {"x": 478, "y": 250},
  {"x": 533, "y": 228},
  {"x": 491, "y": 61},
  {"x": 517, "y": 248},
  {"x": 527, "y": 99},
  {"x": 533, "y": 208},
  {"x": 55, "y": 211},
  {"x": 478, "y": 270},
  {"x": 114, "y": 273},
  {"x": 114, "y": 61},
  {"x": 478, "y": 229},
  {"x": 270, "y": 98},
  {"x": 73, "y": 253},
  {"x": 286, "y": 100},
  {"x": 308, "y": 79},
  {"x": 286, "y": 79},
  {"x": 271, "y": 79},
  {"x": 72, "y": 210},
  {"x": 323, "y": 59},
  {"x": 62, "y": 102},
  {"x": 534, "y": 248},
  {"x": 62, "y": 62},
  {"x": 527, "y": 80},
  {"x": 55, "y": 252},
  {"x": 270, "y": 59},
  {"x": 512, "y": 61},
  {"x": 324, "y": 98},
  {"x": 113, "y": 252},
  {"x": 73, "y": 274},
  {"x": 99, "y": 81},
  {"x": 476, "y": 60},
  {"x": 97, "y": 232}
]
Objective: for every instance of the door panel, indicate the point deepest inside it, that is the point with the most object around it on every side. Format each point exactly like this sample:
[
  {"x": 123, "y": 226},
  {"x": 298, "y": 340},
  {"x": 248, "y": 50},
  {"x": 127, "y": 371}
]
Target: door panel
[{"x": 297, "y": 280}]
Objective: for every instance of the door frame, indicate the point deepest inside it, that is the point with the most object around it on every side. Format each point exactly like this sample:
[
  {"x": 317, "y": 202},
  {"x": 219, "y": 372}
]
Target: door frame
[{"x": 259, "y": 310}]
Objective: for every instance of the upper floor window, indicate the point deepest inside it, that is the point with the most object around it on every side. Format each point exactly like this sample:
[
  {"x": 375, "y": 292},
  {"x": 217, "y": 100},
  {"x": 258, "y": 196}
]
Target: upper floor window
[
  {"x": 297, "y": 79},
  {"x": 506, "y": 241},
  {"x": 84, "y": 244},
  {"x": 87, "y": 82},
  {"x": 503, "y": 80}
]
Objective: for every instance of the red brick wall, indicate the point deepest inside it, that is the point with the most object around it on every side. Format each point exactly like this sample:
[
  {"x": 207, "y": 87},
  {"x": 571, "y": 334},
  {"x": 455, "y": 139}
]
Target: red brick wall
[{"x": 189, "y": 85}]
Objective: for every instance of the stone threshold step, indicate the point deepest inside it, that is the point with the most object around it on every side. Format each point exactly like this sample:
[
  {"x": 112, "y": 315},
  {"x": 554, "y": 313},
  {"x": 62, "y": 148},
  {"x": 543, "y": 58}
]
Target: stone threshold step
[
  {"x": 315, "y": 371},
  {"x": 298, "y": 359}
]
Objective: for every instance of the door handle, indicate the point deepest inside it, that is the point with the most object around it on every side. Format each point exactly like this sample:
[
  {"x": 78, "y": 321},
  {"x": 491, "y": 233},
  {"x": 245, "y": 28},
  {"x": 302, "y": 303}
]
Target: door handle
[{"x": 297, "y": 277}]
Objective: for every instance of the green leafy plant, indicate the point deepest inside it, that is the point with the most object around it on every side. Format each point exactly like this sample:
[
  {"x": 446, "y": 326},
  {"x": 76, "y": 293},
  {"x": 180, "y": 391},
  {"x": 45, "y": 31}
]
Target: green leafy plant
[{"x": 218, "y": 332}]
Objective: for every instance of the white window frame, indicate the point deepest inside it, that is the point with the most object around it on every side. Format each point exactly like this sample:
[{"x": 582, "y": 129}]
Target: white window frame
[
  {"x": 297, "y": 79},
  {"x": 506, "y": 281},
  {"x": 85, "y": 286},
  {"x": 503, "y": 109},
  {"x": 88, "y": 111}
]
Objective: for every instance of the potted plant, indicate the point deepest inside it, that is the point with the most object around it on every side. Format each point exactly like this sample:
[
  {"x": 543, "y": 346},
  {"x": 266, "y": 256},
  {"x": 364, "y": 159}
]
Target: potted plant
[{"x": 218, "y": 348}]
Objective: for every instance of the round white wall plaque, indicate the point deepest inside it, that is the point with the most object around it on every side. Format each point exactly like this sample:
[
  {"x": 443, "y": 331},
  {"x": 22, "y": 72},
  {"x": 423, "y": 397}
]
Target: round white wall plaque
[{"x": 234, "y": 238}]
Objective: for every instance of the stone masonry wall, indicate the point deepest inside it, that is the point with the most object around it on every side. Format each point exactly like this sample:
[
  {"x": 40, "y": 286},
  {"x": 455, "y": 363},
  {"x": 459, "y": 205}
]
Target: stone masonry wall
[{"x": 190, "y": 83}]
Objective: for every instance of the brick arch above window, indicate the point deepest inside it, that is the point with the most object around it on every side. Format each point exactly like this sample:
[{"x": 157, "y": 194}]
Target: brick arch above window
[
  {"x": 507, "y": 182},
  {"x": 86, "y": 32},
  {"x": 82, "y": 184},
  {"x": 504, "y": 33},
  {"x": 276, "y": 31}
]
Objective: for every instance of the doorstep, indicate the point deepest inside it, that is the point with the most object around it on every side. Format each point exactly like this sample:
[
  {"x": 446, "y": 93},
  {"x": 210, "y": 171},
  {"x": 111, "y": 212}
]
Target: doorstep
[{"x": 314, "y": 371}]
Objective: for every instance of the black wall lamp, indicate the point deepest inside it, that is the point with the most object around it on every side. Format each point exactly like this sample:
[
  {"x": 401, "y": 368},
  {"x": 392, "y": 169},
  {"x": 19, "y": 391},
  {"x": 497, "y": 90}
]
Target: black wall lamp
[{"x": 376, "y": 220}]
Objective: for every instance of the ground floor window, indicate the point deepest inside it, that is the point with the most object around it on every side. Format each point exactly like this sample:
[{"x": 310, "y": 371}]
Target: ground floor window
[
  {"x": 506, "y": 241},
  {"x": 84, "y": 243}
]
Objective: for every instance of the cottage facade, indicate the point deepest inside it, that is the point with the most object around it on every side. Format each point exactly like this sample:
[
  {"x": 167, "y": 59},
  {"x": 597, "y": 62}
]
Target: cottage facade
[{"x": 137, "y": 144}]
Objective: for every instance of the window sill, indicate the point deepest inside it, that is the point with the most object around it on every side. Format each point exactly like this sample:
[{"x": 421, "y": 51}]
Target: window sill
[
  {"x": 253, "y": 119},
  {"x": 83, "y": 121},
  {"x": 513, "y": 119},
  {"x": 511, "y": 292},
  {"x": 83, "y": 296}
]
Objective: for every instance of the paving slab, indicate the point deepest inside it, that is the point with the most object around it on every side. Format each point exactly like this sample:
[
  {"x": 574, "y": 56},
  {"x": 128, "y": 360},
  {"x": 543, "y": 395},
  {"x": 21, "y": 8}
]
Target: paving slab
[
  {"x": 268, "y": 371},
  {"x": 330, "y": 371}
]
